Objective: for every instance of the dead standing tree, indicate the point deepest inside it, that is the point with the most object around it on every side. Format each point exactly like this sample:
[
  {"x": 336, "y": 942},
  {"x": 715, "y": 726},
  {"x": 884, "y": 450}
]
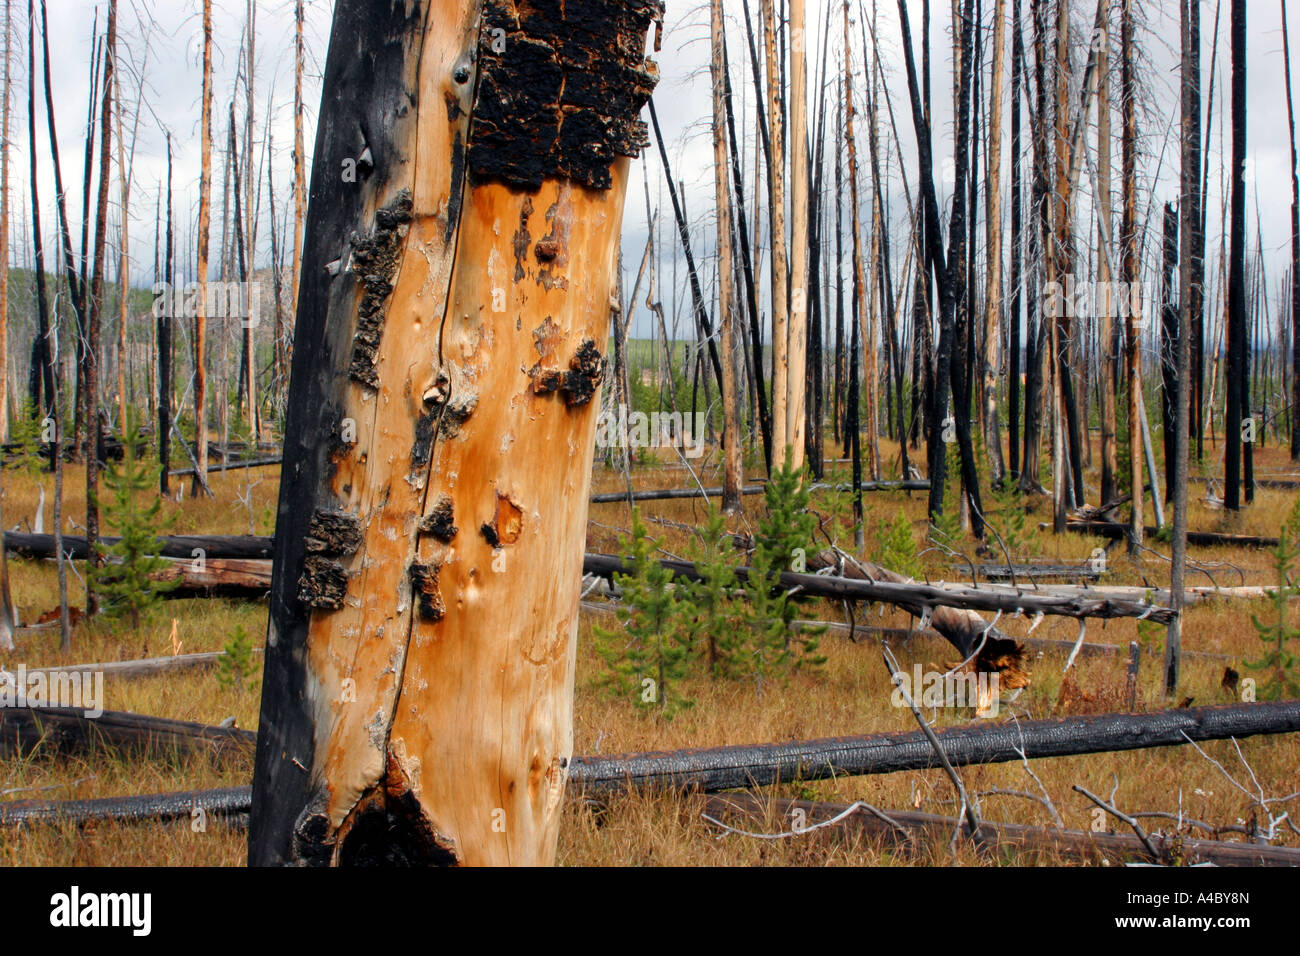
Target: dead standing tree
[{"x": 417, "y": 699}]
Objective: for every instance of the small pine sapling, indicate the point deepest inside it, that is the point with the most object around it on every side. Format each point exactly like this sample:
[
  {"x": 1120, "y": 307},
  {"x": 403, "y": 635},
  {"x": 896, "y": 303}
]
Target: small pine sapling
[
  {"x": 235, "y": 666},
  {"x": 126, "y": 582},
  {"x": 896, "y": 548},
  {"x": 775, "y": 643},
  {"x": 650, "y": 652},
  {"x": 712, "y": 603},
  {"x": 1278, "y": 665}
]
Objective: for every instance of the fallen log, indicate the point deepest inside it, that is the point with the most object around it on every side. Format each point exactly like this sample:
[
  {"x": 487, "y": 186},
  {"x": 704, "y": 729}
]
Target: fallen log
[
  {"x": 1117, "y": 531},
  {"x": 264, "y": 462},
  {"x": 228, "y": 802},
  {"x": 1076, "y": 844},
  {"x": 905, "y": 593},
  {"x": 668, "y": 494},
  {"x": 218, "y": 577},
  {"x": 725, "y": 768},
  {"x": 67, "y": 730},
  {"x": 144, "y": 667},
  {"x": 1031, "y": 572},
  {"x": 758, "y": 765},
  {"x": 201, "y": 546}
]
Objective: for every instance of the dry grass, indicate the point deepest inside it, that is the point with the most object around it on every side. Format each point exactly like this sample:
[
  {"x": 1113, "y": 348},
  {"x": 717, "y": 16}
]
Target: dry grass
[{"x": 847, "y": 696}]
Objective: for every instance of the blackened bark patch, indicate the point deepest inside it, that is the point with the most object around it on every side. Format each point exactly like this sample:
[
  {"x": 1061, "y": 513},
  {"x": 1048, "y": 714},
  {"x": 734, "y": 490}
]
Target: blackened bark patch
[
  {"x": 457, "y": 414},
  {"x": 388, "y": 827},
  {"x": 521, "y": 238},
  {"x": 333, "y": 532},
  {"x": 561, "y": 86},
  {"x": 375, "y": 258},
  {"x": 457, "y": 186},
  {"x": 586, "y": 369},
  {"x": 311, "y": 831},
  {"x": 545, "y": 380},
  {"x": 424, "y": 581},
  {"x": 422, "y": 447},
  {"x": 323, "y": 584},
  {"x": 440, "y": 521}
]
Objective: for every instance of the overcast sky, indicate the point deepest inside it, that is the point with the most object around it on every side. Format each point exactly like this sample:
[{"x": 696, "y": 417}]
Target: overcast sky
[{"x": 162, "y": 40}]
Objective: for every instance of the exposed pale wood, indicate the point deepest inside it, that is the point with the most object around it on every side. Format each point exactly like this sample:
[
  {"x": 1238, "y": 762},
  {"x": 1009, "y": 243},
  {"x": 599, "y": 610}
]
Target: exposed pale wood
[{"x": 780, "y": 298}]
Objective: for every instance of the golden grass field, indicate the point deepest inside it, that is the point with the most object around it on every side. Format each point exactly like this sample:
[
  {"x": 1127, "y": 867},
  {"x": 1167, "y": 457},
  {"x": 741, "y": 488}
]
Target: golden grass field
[{"x": 849, "y": 695}]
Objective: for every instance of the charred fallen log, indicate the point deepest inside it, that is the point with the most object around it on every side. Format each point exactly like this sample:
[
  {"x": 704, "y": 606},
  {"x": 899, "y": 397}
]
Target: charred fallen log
[
  {"x": 1115, "y": 530},
  {"x": 204, "y": 546},
  {"x": 744, "y": 766},
  {"x": 229, "y": 802},
  {"x": 68, "y": 730}
]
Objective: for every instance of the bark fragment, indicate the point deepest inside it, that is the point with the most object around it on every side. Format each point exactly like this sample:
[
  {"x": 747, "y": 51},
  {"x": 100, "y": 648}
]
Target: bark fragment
[
  {"x": 440, "y": 521},
  {"x": 323, "y": 584},
  {"x": 375, "y": 258},
  {"x": 561, "y": 84},
  {"x": 424, "y": 579},
  {"x": 333, "y": 532}
]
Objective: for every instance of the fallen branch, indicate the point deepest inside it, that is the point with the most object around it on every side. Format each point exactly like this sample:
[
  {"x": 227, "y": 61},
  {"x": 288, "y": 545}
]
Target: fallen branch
[{"x": 1076, "y": 844}]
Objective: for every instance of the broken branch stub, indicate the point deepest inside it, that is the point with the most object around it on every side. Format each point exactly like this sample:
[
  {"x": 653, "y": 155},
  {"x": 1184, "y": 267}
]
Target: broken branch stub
[{"x": 417, "y": 699}]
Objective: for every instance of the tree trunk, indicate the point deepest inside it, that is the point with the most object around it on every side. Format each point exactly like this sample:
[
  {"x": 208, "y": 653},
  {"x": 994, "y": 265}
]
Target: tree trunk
[
  {"x": 780, "y": 300},
  {"x": 733, "y": 473},
  {"x": 993, "y": 197},
  {"x": 1294, "y": 415},
  {"x": 445, "y": 736},
  {"x": 299, "y": 179},
  {"x": 1236, "y": 383},
  {"x": 95, "y": 315},
  {"x": 165, "y": 318},
  {"x": 1129, "y": 240},
  {"x": 201, "y": 266},
  {"x": 796, "y": 348},
  {"x": 1106, "y": 301}
]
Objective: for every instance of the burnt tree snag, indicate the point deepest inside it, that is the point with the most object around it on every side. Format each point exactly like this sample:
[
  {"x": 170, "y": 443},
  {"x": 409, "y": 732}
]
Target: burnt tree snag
[{"x": 417, "y": 698}]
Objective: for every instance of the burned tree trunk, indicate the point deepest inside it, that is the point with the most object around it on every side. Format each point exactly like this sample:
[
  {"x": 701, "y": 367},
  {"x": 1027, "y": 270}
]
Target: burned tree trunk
[
  {"x": 417, "y": 699},
  {"x": 1294, "y": 416},
  {"x": 733, "y": 466},
  {"x": 1129, "y": 241}
]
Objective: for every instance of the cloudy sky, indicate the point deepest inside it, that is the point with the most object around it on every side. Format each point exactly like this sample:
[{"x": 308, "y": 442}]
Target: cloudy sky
[{"x": 162, "y": 42}]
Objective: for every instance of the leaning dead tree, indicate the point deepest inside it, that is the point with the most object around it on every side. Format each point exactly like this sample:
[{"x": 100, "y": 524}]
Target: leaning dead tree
[{"x": 418, "y": 691}]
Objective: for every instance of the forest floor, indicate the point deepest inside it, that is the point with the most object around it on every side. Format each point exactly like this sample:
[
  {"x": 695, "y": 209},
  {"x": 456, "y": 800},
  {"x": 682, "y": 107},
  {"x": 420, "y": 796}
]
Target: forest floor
[{"x": 849, "y": 694}]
